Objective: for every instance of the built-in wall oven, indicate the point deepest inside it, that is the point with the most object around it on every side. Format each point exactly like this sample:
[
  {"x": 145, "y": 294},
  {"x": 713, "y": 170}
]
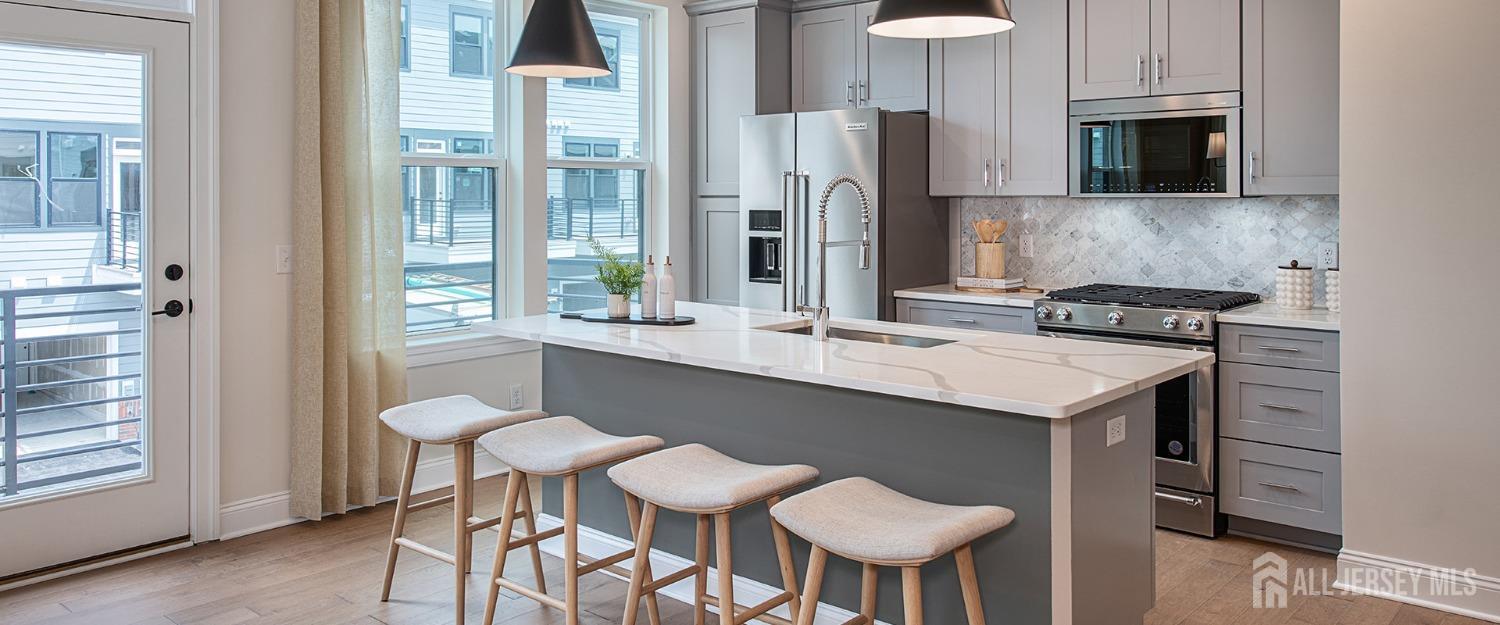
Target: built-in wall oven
[{"x": 1160, "y": 146}]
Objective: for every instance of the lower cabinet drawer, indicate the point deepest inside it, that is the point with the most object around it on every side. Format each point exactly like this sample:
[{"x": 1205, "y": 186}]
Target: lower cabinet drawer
[
  {"x": 1295, "y": 407},
  {"x": 972, "y": 316},
  {"x": 1293, "y": 487}
]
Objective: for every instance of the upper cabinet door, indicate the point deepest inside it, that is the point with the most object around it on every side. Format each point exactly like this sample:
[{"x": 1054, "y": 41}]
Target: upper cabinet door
[
  {"x": 724, "y": 88},
  {"x": 1291, "y": 97},
  {"x": 892, "y": 72},
  {"x": 823, "y": 63},
  {"x": 1110, "y": 43},
  {"x": 1032, "y": 125},
  {"x": 1195, "y": 46},
  {"x": 963, "y": 76}
]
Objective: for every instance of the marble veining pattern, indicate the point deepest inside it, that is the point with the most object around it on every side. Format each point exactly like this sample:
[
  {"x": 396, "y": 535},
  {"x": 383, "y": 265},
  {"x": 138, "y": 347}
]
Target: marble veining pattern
[
  {"x": 1020, "y": 373},
  {"x": 1209, "y": 243}
]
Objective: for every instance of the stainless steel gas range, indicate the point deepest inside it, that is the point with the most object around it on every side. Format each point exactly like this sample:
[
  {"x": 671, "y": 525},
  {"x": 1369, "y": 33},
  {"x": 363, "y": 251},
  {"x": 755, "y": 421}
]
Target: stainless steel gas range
[{"x": 1186, "y": 433}]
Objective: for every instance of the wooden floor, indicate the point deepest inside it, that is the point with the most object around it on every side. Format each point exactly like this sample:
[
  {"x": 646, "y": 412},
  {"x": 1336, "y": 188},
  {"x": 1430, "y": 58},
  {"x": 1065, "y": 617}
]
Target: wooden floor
[{"x": 329, "y": 573}]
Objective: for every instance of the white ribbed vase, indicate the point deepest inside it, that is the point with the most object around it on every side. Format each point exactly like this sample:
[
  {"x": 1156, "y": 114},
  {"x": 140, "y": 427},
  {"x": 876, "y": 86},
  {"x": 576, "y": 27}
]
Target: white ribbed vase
[
  {"x": 1294, "y": 287},
  {"x": 1331, "y": 289}
]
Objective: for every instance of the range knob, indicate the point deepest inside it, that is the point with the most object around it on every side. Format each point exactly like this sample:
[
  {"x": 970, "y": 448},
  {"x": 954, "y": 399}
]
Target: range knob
[
  {"x": 1064, "y": 314},
  {"x": 1195, "y": 324},
  {"x": 1116, "y": 318},
  {"x": 1170, "y": 322},
  {"x": 1044, "y": 312}
]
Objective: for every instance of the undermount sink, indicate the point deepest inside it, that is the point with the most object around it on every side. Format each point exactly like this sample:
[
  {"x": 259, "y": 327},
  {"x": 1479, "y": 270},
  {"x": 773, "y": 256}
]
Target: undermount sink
[{"x": 850, "y": 334}]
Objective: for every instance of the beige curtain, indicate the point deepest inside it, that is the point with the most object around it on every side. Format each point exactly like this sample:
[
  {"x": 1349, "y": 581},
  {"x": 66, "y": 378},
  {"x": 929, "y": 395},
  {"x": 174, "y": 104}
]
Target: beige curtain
[{"x": 349, "y": 344}]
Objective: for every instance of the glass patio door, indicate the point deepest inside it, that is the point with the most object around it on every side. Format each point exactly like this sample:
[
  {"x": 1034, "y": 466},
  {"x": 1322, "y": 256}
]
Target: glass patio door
[{"x": 94, "y": 301}]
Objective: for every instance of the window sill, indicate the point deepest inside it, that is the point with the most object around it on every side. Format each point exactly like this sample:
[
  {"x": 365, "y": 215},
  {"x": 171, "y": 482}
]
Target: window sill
[{"x": 458, "y": 346}]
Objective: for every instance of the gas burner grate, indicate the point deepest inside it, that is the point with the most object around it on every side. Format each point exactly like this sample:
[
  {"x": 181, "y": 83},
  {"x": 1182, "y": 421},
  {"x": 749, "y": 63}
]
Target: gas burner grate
[{"x": 1155, "y": 297}]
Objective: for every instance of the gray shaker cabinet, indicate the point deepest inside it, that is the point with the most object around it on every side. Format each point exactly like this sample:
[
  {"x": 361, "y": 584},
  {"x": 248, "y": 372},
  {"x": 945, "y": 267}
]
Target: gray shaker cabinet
[
  {"x": 1000, "y": 108},
  {"x": 1127, "y": 48},
  {"x": 1110, "y": 44},
  {"x": 716, "y": 250},
  {"x": 823, "y": 59},
  {"x": 1291, "y": 97},
  {"x": 891, "y": 72}
]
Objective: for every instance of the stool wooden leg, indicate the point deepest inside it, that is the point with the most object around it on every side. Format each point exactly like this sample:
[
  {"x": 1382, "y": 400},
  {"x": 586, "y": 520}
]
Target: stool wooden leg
[
  {"x": 403, "y": 499},
  {"x": 513, "y": 485},
  {"x": 814, "y": 586},
  {"x": 784, "y": 558},
  {"x": 633, "y": 512},
  {"x": 969, "y": 581},
  {"x": 642, "y": 562},
  {"x": 570, "y": 548},
  {"x": 911, "y": 594},
  {"x": 726, "y": 568},
  {"x": 869, "y": 584},
  {"x": 700, "y": 585},
  {"x": 463, "y": 506},
  {"x": 536, "y": 550}
]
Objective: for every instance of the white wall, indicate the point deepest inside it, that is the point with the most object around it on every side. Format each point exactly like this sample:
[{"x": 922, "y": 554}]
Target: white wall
[{"x": 1421, "y": 427}]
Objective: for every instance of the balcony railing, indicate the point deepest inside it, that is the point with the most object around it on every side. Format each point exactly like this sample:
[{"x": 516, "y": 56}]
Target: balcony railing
[
  {"x": 449, "y": 222},
  {"x": 450, "y": 295},
  {"x": 588, "y": 218},
  {"x": 72, "y": 385},
  {"x": 123, "y": 245}
]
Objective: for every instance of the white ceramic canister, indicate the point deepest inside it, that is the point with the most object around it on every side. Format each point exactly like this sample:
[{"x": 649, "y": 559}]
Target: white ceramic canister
[
  {"x": 1331, "y": 289},
  {"x": 1294, "y": 287}
]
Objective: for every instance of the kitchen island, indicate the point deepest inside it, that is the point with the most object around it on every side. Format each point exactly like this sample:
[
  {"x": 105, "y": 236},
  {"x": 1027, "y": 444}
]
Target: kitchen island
[{"x": 983, "y": 418}]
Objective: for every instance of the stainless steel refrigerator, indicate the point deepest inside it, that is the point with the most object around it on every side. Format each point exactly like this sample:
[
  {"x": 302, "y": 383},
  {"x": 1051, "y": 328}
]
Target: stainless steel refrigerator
[{"x": 785, "y": 162}]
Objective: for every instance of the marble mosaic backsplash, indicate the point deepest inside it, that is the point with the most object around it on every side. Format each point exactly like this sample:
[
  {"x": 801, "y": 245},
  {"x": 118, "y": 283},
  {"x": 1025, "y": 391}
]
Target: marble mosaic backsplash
[{"x": 1232, "y": 244}]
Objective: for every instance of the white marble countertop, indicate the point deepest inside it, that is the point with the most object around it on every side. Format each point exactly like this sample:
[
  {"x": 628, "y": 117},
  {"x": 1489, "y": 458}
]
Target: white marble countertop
[
  {"x": 1269, "y": 314},
  {"x": 947, "y": 293},
  {"x": 1032, "y": 375}
]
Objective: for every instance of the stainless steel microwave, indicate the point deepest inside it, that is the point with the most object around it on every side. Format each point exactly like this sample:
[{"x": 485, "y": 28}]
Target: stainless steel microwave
[{"x": 1172, "y": 146}]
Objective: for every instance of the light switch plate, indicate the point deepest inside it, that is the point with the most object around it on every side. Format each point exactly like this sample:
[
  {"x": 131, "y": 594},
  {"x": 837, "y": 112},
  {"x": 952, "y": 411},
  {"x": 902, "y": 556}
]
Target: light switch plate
[
  {"x": 1028, "y": 246},
  {"x": 1114, "y": 431},
  {"x": 283, "y": 259},
  {"x": 517, "y": 396}
]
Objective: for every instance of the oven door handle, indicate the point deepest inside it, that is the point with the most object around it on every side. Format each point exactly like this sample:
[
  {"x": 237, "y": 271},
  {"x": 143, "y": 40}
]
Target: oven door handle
[
  {"x": 1125, "y": 341},
  {"x": 1191, "y": 501}
]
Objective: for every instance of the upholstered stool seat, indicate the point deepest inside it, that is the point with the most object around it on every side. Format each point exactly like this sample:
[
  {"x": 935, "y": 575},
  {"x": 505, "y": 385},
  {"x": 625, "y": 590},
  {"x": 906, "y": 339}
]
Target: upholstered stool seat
[
  {"x": 696, "y": 478},
  {"x": 710, "y": 485},
  {"x": 448, "y": 419},
  {"x": 861, "y": 519},
  {"x": 562, "y": 445}
]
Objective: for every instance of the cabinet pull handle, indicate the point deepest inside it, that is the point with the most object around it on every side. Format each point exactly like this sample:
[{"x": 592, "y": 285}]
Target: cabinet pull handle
[
  {"x": 1279, "y": 348},
  {"x": 850, "y": 93},
  {"x": 1158, "y": 69},
  {"x": 864, "y": 92},
  {"x": 1252, "y": 168},
  {"x": 1140, "y": 70},
  {"x": 1280, "y": 407},
  {"x": 1000, "y": 178},
  {"x": 1281, "y": 486},
  {"x": 961, "y": 320},
  {"x": 986, "y": 173}
]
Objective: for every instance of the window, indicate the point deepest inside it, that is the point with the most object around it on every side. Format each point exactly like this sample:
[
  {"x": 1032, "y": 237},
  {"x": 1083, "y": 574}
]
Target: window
[
  {"x": 405, "y": 35},
  {"x": 610, "y": 43},
  {"x": 450, "y": 173},
  {"x": 73, "y": 179},
  {"x": 472, "y": 44},
  {"x": 20, "y": 193},
  {"x": 598, "y": 154}
]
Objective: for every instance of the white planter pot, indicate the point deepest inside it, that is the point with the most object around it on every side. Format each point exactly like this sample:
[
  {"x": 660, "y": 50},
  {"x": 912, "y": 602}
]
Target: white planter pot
[{"x": 619, "y": 306}]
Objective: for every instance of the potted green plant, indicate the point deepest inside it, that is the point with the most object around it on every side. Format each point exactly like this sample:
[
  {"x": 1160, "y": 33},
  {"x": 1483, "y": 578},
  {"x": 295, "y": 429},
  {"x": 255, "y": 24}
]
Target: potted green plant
[{"x": 619, "y": 277}]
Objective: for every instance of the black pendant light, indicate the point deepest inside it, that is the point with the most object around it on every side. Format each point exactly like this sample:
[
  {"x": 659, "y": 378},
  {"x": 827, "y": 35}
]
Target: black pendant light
[
  {"x": 941, "y": 19},
  {"x": 558, "y": 41}
]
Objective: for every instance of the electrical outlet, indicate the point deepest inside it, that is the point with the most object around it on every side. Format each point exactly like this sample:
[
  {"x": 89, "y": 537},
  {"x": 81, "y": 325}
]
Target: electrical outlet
[
  {"x": 1028, "y": 246},
  {"x": 1114, "y": 431},
  {"x": 1328, "y": 255},
  {"x": 517, "y": 396},
  {"x": 283, "y": 259}
]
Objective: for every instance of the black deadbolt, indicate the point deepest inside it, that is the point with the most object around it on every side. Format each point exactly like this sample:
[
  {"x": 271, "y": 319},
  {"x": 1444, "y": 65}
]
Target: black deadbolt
[
  {"x": 172, "y": 309},
  {"x": 174, "y": 272}
]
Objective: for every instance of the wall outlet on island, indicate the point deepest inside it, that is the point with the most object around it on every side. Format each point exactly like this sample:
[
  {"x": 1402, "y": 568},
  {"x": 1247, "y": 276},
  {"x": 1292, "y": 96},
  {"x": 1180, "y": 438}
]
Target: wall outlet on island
[
  {"x": 517, "y": 396},
  {"x": 1028, "y": 246},
  {"x": 1114, "y": 431},
  {"x": 1328, "y": 255}
]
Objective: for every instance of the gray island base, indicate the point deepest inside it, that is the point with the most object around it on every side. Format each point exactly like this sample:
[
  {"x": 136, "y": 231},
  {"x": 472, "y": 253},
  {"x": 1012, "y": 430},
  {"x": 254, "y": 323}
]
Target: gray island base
[{"x": 1079, "y": 551}]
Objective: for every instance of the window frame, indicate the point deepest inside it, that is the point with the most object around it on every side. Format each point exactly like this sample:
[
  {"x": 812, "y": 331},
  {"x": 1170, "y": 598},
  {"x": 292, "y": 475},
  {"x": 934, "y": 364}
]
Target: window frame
[
  {"x": 593, "y": 83},
  {"x": 406, "y": 18},
  {"x": 100, "y": 159},
  {"x": 36, "y": 185},
  {"x": 488, "y": 50}
]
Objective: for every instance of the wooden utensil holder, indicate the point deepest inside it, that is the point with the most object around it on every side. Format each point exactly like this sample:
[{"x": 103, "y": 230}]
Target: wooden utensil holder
[{"x": 989, "y": 260}]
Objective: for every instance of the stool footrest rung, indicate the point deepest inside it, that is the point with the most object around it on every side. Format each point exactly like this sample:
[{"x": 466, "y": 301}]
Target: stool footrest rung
[
  {"x": 430, "y": 503},
  {"x": 544, "y": 599},
  {"x": 591, "y": 564},
  {"x": 859, "y": 619},
  {"x": 425, "y": 550},
  {"x": 752, "y": 613},
  {"x": 478, "y": 523},
  {"x": 669, "y": 580},
  {"x": 533, "y": 538}
]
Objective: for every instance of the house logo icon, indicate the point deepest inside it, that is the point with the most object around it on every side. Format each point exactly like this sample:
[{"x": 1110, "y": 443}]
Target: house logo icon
[{"x": 1268, "y": 584}]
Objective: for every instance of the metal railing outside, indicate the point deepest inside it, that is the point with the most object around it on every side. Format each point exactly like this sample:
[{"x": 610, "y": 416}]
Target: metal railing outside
[
  {"x": 448, "y": 295},
  {"x": 449, "y": 222},
  {"x": 51, "y": 374},
  {"x": 589, "y": 218},
  {"x": 123, "y": 245}
]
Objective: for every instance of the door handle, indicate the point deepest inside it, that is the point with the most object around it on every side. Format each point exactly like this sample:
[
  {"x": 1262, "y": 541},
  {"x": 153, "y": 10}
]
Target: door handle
[
  {"x": 173, "y": 308},
  {"x": 850, "y": 93}
]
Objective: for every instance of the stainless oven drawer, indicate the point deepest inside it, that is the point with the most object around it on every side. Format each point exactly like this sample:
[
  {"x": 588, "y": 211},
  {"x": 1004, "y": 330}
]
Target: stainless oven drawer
[
  {"x": 1294, "y": 487},
  {"x": 1280, "y": 347},
  {"x": 971, "y": 316},
  {"x": 1277, "y": 405}
]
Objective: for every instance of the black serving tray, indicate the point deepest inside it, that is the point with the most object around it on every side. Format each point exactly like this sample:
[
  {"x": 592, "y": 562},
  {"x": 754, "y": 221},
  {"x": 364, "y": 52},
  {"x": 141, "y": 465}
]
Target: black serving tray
[{"x": 601, "y": 316}]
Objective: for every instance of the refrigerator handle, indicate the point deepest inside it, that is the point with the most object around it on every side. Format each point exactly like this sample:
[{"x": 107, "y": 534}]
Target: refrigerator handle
[{"x": 788, "y": 234}]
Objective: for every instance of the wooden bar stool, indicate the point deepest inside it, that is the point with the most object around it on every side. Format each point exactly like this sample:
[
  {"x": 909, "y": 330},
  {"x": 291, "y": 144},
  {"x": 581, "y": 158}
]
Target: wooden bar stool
[
  {"x": 698, "y": 480},
  {"x": 556, "y": 447},
  {"x": 859, "y": 519},
  {"x": 456, "y": 421}
]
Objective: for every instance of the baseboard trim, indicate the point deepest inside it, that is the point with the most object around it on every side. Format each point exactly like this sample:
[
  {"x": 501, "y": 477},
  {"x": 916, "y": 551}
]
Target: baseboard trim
[
  {"x": 268, "y": 512},
  {"x": 597, "y": 544},
  {"x": 1483, "y": 604}
]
